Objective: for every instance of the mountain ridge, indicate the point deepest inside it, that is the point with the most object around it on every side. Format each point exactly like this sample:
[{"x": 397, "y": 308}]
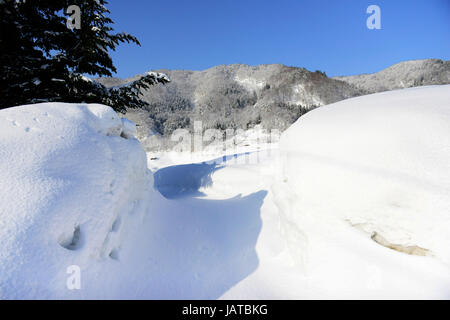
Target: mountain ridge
[
  {"x": 405, "y": 74},
  {"x": 272, "y": 95}
]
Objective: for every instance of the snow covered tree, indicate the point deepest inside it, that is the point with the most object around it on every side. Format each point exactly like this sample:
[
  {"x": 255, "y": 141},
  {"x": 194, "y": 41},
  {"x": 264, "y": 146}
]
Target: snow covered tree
[{"x": 42, "y": 59}]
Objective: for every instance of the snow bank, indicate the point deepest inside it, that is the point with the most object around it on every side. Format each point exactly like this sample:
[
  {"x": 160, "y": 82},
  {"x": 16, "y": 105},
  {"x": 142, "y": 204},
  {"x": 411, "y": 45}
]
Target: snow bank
[
  {"x": 365, "y": 185},
  {"x": 71, "y": 178}
]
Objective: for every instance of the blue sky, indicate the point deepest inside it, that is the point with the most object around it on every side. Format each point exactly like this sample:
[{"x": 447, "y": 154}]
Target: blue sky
[{"x": 316, "y": 34}]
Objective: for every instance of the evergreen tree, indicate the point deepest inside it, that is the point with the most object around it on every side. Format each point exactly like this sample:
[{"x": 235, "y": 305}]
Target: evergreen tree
[{"x": 42, "y": 59}]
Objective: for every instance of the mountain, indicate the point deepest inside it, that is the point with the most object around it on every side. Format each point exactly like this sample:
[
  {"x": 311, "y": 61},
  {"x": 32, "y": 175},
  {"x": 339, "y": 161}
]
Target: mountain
[
  {"x": 235, "y": 96},
  {"x": 275, "y": 96},
  {"x": 403, "y": 75}
]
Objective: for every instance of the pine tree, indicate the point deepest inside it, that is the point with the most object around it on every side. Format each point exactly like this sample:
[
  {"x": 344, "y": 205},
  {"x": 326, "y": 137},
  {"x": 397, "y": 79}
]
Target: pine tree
[{"x": 42, "y": 59}]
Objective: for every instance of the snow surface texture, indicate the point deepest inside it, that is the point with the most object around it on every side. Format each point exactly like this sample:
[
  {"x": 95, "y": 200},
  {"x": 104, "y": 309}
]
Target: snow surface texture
[
  {"x": 71, "y": 178},
  {"x": 368, "y": 173}
]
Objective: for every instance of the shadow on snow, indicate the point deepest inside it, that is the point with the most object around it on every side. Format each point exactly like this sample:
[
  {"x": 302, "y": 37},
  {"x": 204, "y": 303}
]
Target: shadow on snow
[
  {"x": 201, "y": 248},
  {"x": 186, "y": 180}
]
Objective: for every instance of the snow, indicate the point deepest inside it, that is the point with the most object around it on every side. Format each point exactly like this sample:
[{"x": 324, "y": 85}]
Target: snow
[
  {"x": 157, "y": 78},
  {"x": 303, "y": 96},
  {"x": 364, "y": 174},
  {"x": 249, "y": 83},
  {"x": 236, "y": 142},
  {"x": 67, "y": 177},
  {"x": 128, "y": 128},
  {"x": 379, "y": 161},
  {"x": 314, "y": 227},
  {"x": 403, "y": 75},
  {"x": 332, "y": 213}
]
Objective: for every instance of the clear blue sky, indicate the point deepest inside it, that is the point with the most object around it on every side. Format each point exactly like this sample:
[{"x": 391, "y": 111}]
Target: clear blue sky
[{"x": 316, "y": 34}]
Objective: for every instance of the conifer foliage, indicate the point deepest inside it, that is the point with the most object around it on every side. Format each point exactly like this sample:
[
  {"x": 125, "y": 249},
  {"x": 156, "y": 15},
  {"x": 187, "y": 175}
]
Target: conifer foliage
[{"x": 42, "y": 59}]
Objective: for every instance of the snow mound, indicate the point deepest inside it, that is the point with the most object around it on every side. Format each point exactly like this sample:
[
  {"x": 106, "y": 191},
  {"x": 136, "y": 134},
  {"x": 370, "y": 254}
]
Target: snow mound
[
  {"x": 71, "y": 178},
  {"x": 378, "y": 165}
]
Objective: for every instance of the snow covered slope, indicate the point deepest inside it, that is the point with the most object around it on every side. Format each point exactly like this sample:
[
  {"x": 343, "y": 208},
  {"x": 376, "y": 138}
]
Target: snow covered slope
[
  {"x": 241, "y": 96},
  {"x": 403, "y": 75},
  {"x": 70, "y": 177},
  {"x": 234, "y": 96}
]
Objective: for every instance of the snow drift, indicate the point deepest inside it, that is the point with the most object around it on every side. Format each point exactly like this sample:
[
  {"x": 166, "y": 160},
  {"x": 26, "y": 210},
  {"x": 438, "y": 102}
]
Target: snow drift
[
  {"x": 71, "y": 178},
  {"x": 367, "y": 175}
]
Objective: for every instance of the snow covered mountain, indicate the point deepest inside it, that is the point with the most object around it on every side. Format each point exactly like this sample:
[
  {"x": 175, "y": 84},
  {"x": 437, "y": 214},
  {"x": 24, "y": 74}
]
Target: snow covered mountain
[
  {"x": 403, "y": 75},
  {"x": 241, "y": 96},
  {"x": 235, "y": 96}
]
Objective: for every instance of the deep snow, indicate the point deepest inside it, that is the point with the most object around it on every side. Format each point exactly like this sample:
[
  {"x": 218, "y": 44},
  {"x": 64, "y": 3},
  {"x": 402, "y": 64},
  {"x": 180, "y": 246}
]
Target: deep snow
[
  {"x": 310, "y": 221},
  {"x": 361, "y": 180},
  {"x": 70, "y": 176}
]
